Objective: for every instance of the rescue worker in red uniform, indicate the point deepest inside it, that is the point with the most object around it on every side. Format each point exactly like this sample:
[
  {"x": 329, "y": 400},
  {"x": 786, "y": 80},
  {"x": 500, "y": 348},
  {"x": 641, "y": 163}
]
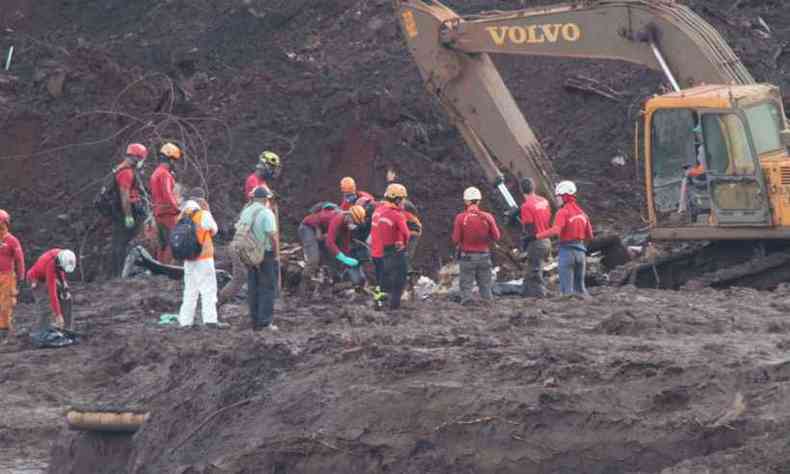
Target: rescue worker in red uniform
[
  {"x": 338, "y": 241},
  {"x": 45, "y": 277},
  {"x": 389, "y": 238},
  {"x": 164, "y": 199},
  {"x": 535, "y": 218},
  {"x": 351, "y": 196},
  {"x": 312, "y": 231},
  {"x": 573, "y": 227},
  {"x": 268, "y": 168},
  {"x": 12, "y": 273},
  {"x": 411, "y": 213},
  {"x": 473, "y": 233},
  {"x": 133, "y": 210}
]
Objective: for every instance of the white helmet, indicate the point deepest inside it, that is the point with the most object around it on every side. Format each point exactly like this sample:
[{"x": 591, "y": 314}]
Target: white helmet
[
  {"x": 472, "y": 194},
  {"x": 191, "y": 206},
  {"x": 565, "y": 187},
  {"x": 67, "y": 260}
]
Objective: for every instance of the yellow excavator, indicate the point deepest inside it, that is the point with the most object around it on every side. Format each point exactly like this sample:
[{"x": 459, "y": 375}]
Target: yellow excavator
[{"x": 716, "y": 119}]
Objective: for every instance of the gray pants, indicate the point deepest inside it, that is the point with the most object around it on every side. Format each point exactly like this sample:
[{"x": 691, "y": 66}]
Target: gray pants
[
  {"x": 537, "y": 253},
  {"x": 311, "y": 249},
  {"x": 239, "y": 276},
  {"x": 46, "y": 315},
  {"x": 121, "y": 238},
  {"x": 475, "y": 267},
  {"x": 312, "y": 258}
]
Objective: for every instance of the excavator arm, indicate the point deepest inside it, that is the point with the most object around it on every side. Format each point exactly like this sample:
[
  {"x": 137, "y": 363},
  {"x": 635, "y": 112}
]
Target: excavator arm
[{"x": 452, "y": 54}]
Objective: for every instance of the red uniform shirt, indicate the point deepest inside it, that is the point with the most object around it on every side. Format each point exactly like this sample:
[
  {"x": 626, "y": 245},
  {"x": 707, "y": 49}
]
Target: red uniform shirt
[
  {"x": 45, "y": 270},
  {"x": 376, "y": 245},
  {"x": 474, "y": 230},
  {"x": 163, "y": 192},
  {"x": 12, "y": 259},
  {"x": 253, "y": 181},
  {"x": 536, "y": 211},
  {"x": 571, "y": 223},
  {"x": 338, "y": 235},
  {"x": 388, "y": 227},
  {"x": 363, "y": 199},
  {"x": 321, "y": 219},
  {"x": 125, "y": 179}
]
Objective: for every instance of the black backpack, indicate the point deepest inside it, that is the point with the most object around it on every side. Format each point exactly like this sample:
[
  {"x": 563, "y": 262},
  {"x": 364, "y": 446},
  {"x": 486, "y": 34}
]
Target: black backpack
[
  {"x": 108, "y": 200},
  {"x": 183, "y": 240}
]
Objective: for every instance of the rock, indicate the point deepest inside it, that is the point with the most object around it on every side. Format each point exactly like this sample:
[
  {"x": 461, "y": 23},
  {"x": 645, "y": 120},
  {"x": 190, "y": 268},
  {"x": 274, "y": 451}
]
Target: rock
[
  {"x": 55, "y": 84},
  {"x": 376, "y": 24}
]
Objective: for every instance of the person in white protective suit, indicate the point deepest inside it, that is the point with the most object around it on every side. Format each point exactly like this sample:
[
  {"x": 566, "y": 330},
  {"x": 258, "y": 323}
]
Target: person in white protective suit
[{"x": 200, "y": 280}]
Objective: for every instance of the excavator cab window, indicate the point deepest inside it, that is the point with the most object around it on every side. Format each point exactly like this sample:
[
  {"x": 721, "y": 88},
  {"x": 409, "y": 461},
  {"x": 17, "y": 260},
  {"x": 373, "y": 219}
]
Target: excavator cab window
[
  {"x": 672, "y": 151},
  {"x": 765, "y": 123},
  {"x": 704, "y": 169}
]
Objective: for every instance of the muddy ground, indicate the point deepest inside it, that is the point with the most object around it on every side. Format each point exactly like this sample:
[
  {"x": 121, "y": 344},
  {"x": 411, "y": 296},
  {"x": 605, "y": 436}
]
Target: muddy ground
[{"x": 633, "y": 381}]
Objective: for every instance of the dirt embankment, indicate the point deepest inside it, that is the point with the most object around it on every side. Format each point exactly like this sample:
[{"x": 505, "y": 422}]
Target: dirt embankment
[
  {"x": 327, "y": 84},
  {"x": 633, "y": 381}
]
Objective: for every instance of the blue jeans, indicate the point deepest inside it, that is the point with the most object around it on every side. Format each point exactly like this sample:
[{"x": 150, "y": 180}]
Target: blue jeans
[
  {"x": 572, "y": 268},
  {"x": 262, "y": 286}
]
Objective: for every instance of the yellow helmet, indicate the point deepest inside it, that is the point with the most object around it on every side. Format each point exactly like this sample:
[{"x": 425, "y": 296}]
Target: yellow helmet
[
  {"x": 269, "y": 158},
  {"x": 171, "y": 151},
  {"x": 396, "y": 190},
  {"x": 357, "y": 214},
  {"x": 348, "y": 185}
]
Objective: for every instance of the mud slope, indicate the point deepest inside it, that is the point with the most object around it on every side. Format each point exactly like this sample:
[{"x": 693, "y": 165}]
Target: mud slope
[
  {"x": 634, "y": 381},
  {"x": 328, "y": 84}
]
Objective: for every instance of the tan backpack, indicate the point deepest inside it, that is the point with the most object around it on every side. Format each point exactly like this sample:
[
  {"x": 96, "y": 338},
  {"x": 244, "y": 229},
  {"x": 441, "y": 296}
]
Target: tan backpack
[{"x": 249, "y": 249}]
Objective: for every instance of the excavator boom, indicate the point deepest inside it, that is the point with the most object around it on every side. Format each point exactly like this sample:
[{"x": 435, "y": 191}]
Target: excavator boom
[{"x": 660, "y": 35}]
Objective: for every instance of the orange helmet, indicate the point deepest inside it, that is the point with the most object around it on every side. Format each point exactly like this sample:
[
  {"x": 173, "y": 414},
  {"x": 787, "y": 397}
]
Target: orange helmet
[
  {"x": 5, "y": 218},
  {"x": 348, "y": 185},
  {"x": 357, "y": 214},
  {"x": 171, "y": 151}
]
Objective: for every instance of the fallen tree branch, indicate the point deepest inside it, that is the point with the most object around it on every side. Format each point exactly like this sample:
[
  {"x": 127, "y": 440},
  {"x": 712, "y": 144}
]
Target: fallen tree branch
[
  {"x": 211, "y": 417},
  {"x": 591, "y": 86},
  {"x": 483, "y": 419},
  {"x": 783, "y": 48}
]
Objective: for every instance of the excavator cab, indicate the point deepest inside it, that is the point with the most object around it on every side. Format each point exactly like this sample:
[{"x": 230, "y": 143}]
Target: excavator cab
[{"x": 732, "y": 134}]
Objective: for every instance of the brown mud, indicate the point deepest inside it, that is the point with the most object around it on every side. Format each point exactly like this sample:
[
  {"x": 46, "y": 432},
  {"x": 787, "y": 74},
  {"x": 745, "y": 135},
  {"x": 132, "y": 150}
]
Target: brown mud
[{"x": 632, "y": 381}]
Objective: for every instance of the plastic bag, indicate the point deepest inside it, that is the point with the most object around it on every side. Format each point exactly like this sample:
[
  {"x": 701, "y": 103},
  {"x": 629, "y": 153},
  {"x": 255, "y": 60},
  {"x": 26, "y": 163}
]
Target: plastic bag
[{"x": 53, "y": 338}]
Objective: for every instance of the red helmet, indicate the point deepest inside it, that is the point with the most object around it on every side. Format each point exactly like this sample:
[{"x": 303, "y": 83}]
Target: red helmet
[
  {"x": 138, "y": 150},
  {"x": 5, "y": 218}
]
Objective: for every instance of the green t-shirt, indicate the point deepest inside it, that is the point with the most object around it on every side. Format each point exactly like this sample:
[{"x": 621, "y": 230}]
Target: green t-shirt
[{"x": 264, "y": 225}]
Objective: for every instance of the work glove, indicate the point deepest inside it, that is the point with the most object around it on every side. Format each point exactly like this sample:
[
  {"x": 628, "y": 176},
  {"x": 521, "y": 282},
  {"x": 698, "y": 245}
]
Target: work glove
[
  {"x": 129, "y": 222},
  {"x": 512, "y": 217},
  {"x": 346, "y": 260}
]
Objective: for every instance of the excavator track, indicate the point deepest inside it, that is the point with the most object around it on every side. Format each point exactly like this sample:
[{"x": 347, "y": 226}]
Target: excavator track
[{"x": 713, "y": 265}]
